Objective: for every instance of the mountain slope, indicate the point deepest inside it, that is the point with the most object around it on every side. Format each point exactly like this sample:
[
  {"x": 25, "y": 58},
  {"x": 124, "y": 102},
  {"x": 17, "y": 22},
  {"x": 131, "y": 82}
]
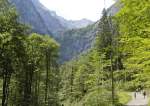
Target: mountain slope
[
  {"x": 75, "y": 41},
  {"x": 32, "y": 12},
  {"x": 42, "y": 20}
]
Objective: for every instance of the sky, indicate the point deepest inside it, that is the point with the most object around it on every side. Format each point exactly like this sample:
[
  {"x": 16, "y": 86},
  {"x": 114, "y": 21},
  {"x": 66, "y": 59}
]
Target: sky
[{"x": 78, "y": 9}]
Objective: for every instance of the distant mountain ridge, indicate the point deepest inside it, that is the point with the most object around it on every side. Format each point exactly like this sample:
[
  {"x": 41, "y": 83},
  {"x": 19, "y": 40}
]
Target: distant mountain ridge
[
  {"x": 75, "y": 24},
  {"x": 42, "y": 20}
]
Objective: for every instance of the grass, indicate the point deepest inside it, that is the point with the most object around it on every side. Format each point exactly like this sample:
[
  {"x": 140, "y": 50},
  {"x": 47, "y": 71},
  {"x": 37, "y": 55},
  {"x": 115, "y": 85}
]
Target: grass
[
  {"x": 148, "y": 99},
  {"x": 124, "y": 97},
  {"x": 149, "y": 102},
  {"x": 148, "y": 94},
  {"x": 67, "y": 103}
]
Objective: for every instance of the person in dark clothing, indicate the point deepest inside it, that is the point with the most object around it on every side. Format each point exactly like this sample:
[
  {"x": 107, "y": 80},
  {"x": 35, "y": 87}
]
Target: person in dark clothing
[
  {"x": 135, "y": 95},
  {"x": 144, "y": 94}
]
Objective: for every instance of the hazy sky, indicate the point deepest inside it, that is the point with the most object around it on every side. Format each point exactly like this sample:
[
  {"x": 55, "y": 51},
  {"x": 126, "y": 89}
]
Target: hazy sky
[{"x": 77, "y": 9}]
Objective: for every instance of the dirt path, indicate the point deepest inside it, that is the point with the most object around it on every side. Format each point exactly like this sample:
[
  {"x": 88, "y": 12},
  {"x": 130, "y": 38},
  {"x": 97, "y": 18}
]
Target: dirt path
[{"x": 138, "y": 101}]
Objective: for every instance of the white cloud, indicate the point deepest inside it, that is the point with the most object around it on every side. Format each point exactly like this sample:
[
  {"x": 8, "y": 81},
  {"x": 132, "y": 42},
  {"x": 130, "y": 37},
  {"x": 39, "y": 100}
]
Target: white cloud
[{"x": 77, "y": 9}]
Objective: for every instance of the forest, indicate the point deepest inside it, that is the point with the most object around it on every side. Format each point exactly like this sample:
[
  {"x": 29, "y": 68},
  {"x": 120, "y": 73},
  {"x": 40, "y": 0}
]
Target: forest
[{"x": 107, "y": 74}]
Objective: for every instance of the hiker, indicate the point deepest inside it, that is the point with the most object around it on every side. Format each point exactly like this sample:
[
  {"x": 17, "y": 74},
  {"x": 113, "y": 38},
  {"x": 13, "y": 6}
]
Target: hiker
[
  {"x": 135, "y": 95},
  {"x": 144, "y": 94}
]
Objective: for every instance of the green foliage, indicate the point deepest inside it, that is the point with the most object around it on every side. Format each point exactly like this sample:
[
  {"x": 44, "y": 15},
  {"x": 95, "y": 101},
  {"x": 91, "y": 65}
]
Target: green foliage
[
  {"x": 134, "y": 18},
  {"x": 133, "y": 21},
  {"x": 83, "y": 81},
  {"x": 124, "y": 97},
  {"x": 28, "y": 63},
  {"x": 98, "y": 98}
]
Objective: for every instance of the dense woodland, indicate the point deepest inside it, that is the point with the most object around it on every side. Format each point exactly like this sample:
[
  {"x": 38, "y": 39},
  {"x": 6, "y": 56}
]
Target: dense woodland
[
  {"x": 118, "y": 62},
  {"x": 28, "y": 63}
]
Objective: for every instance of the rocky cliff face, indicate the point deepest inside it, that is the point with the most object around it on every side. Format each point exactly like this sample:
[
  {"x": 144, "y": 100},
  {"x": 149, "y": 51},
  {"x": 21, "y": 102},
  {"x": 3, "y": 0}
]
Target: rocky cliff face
[
  {"x": 42, "y": 20},
  {"x": 37, "y": 16}
]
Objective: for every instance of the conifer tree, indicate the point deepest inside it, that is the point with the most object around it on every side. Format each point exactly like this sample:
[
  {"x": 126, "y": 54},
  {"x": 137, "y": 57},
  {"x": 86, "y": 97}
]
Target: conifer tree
[{"x": 107, "y": 46}]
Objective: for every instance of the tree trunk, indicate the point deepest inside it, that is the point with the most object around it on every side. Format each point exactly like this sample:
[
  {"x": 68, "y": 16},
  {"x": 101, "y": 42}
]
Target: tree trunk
[
  {"x": 112, "y": 81},
  {"x": 27, "y": 98},
  {"x": 47, "y": 78},
  {"x": 6, "y": 81}
]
